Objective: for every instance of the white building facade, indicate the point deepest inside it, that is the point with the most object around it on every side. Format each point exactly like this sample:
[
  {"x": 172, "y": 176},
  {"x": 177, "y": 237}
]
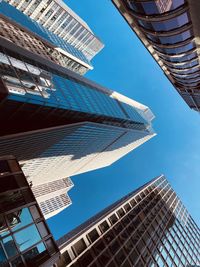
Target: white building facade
[{"x": 57, "y": 17}]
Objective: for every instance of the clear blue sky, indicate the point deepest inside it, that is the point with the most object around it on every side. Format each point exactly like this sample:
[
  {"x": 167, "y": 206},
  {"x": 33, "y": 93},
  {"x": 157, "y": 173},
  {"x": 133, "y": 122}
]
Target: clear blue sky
[{"x": 124, "y": 65}]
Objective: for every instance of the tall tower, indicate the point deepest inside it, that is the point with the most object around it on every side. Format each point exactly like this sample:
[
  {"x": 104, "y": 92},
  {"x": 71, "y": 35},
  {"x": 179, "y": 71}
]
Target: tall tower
[
  {"x": 169, "y": 29},
  {"x": 70, "y": 124},
  {"x": 148, "y": 227},
  {"x": 58, "y": 18},
  {"x": 56, "y": 122}
]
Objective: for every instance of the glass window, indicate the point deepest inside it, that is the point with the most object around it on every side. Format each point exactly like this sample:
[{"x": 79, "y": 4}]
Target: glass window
[
  {"x": 93, "y": 235},
  {"x": 35, "y": 212},
  {"x": 180, "y": 58},
  {"x": 17, "y": 262},
  {"x": 120, "y": 212},
  {"x": 113, "y": 219},
  {"x": 177, "y": 50},
  {"x": 171, "y": 24},
  {"x": 2, "y": 255},
  {"x": 3, "y": 226},
  {"x": 104, "y": 226},
  {"x": 170, "y": 39},
  {"x": 79, "y": 246},
  {"x": 19, "y": 219},
  {"x": 156, "y": 7},
  {"x": 9, "y": 246},
  {"x": 27, "y": 237},
  {"x": 42, "y": 229},
  {"x": 38, "y": 253}
]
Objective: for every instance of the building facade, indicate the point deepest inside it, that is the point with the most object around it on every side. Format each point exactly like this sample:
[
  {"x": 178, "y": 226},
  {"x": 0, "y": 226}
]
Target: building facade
[
  {"x": 37, "y": 39},
  {"x": 59, "y": 152},
  {"x": 71, "y": 124},
  {"x": 25, "y": 239},
  {"x": 56, "y": 122},
  {"x": 52, "y": 197},
  {"x": 170, "y": 31},
  {"x": 58, "y": 18},
  {"x": 149, "y": 227}
]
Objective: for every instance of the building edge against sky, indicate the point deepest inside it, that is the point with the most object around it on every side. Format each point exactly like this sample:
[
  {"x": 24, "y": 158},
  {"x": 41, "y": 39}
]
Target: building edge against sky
[
  {"x": 70, "y": 124},
  {"x": 171, "y": 34},
  {"x": 58, "y": 18},
  {"x": 148, "y": 227}
]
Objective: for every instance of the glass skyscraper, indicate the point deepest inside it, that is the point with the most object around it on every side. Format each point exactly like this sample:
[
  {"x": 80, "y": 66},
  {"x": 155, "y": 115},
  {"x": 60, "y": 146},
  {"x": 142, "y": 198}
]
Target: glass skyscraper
[
  {"x": 56, "y": 122},
  {"x": 149, "y": 227},
  {"x": 170, "y": 30}
]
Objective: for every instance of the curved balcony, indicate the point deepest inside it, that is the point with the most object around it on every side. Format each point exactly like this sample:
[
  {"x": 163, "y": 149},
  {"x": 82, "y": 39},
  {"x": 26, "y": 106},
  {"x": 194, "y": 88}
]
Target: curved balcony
[{"x": 168, "y": 28}]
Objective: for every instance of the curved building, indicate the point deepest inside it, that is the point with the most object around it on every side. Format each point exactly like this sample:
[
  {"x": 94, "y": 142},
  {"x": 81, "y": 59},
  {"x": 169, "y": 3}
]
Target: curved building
[{"x": 170, "y": 30}]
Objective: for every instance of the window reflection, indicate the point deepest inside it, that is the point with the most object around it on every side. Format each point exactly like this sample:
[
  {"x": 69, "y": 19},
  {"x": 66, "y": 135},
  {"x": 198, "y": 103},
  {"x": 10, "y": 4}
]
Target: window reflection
[
  {"x": 9, "y": 246},
  {"x": 20, "y": 220},
  {"x": 166, "y": 25},
  {"x": 171, "y": 39},
  {"x": 155, "y": 7},
  {"x": 2, "y": 255},
  {"x": 28, "y": 237},
  {"x": 176, "y": 50}
]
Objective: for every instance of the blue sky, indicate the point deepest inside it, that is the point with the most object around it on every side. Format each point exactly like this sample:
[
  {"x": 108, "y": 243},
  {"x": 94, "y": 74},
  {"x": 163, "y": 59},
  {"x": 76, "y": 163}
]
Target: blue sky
[{"x": 124, "y": 65}]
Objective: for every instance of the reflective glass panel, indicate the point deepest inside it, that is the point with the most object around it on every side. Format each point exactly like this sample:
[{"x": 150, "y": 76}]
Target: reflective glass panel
[
  {"x": 27, "y": 237},
  {"x": 9, "y": 246},
  {"x": 177, "y": 50},
  {"x": 3, "y": 227},
  {"x": 36, "y": 252},
  {"x": 2, "y": 255},
  {"x": 171, "y": 23},
  {"x": 21, "y": 219},
  {"x": 156, "y": 7}
]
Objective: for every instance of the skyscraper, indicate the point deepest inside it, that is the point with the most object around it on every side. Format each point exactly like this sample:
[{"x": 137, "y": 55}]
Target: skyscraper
[
  {"x": 52, "y": 197},
  {"x": 58, "y": 18},
  {"x": 170, "y": 32},
  {"x": 39, "y": 40},
  {"x": 25, "y": 239},
  {"x": 69, "y": 124},
  {"x": 148, "y": 227}
]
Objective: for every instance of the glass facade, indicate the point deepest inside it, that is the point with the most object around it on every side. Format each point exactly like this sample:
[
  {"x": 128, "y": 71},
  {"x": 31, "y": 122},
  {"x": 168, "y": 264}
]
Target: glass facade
[
  {"x": 24, "y": 235},
  {"x": 73, "y": 59},
  {"x": 168, "y": 28},
  {"x": 64, "y": 151},
  {"x": 149, "y": 227},
  {"x": 58, "y": 18},
  {"x": 38, "y": 86}
]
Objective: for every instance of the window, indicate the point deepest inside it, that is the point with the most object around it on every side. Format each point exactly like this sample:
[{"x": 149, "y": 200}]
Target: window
[
  {"x": 104, "y": 227},
  {"x": 9, "y": 246},
  {"x": 113, "y": 219},
  {"x": 120, "y": 212},
  {"x": 93, "y": 235},
  {"x": 27, "y": 237},
  {"x": 79, "y": 246},
  {"x": 127, "y": 207},
  {"x": 19, "y": 219}
]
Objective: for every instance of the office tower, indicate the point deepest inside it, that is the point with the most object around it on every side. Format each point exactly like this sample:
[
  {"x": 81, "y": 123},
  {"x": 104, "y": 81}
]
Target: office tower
[
  {"x": 58, "y": 18},
  {"x": 56, "y": 122},
  {"x": 148, "y": 227},
  {"x": 27, "y": 33},
  {"x": 25, "y": 239},
  {"x": 70, "y": 124},
  {"x": 52, "y": 197},
  {"x": 170, "y": 32}
]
